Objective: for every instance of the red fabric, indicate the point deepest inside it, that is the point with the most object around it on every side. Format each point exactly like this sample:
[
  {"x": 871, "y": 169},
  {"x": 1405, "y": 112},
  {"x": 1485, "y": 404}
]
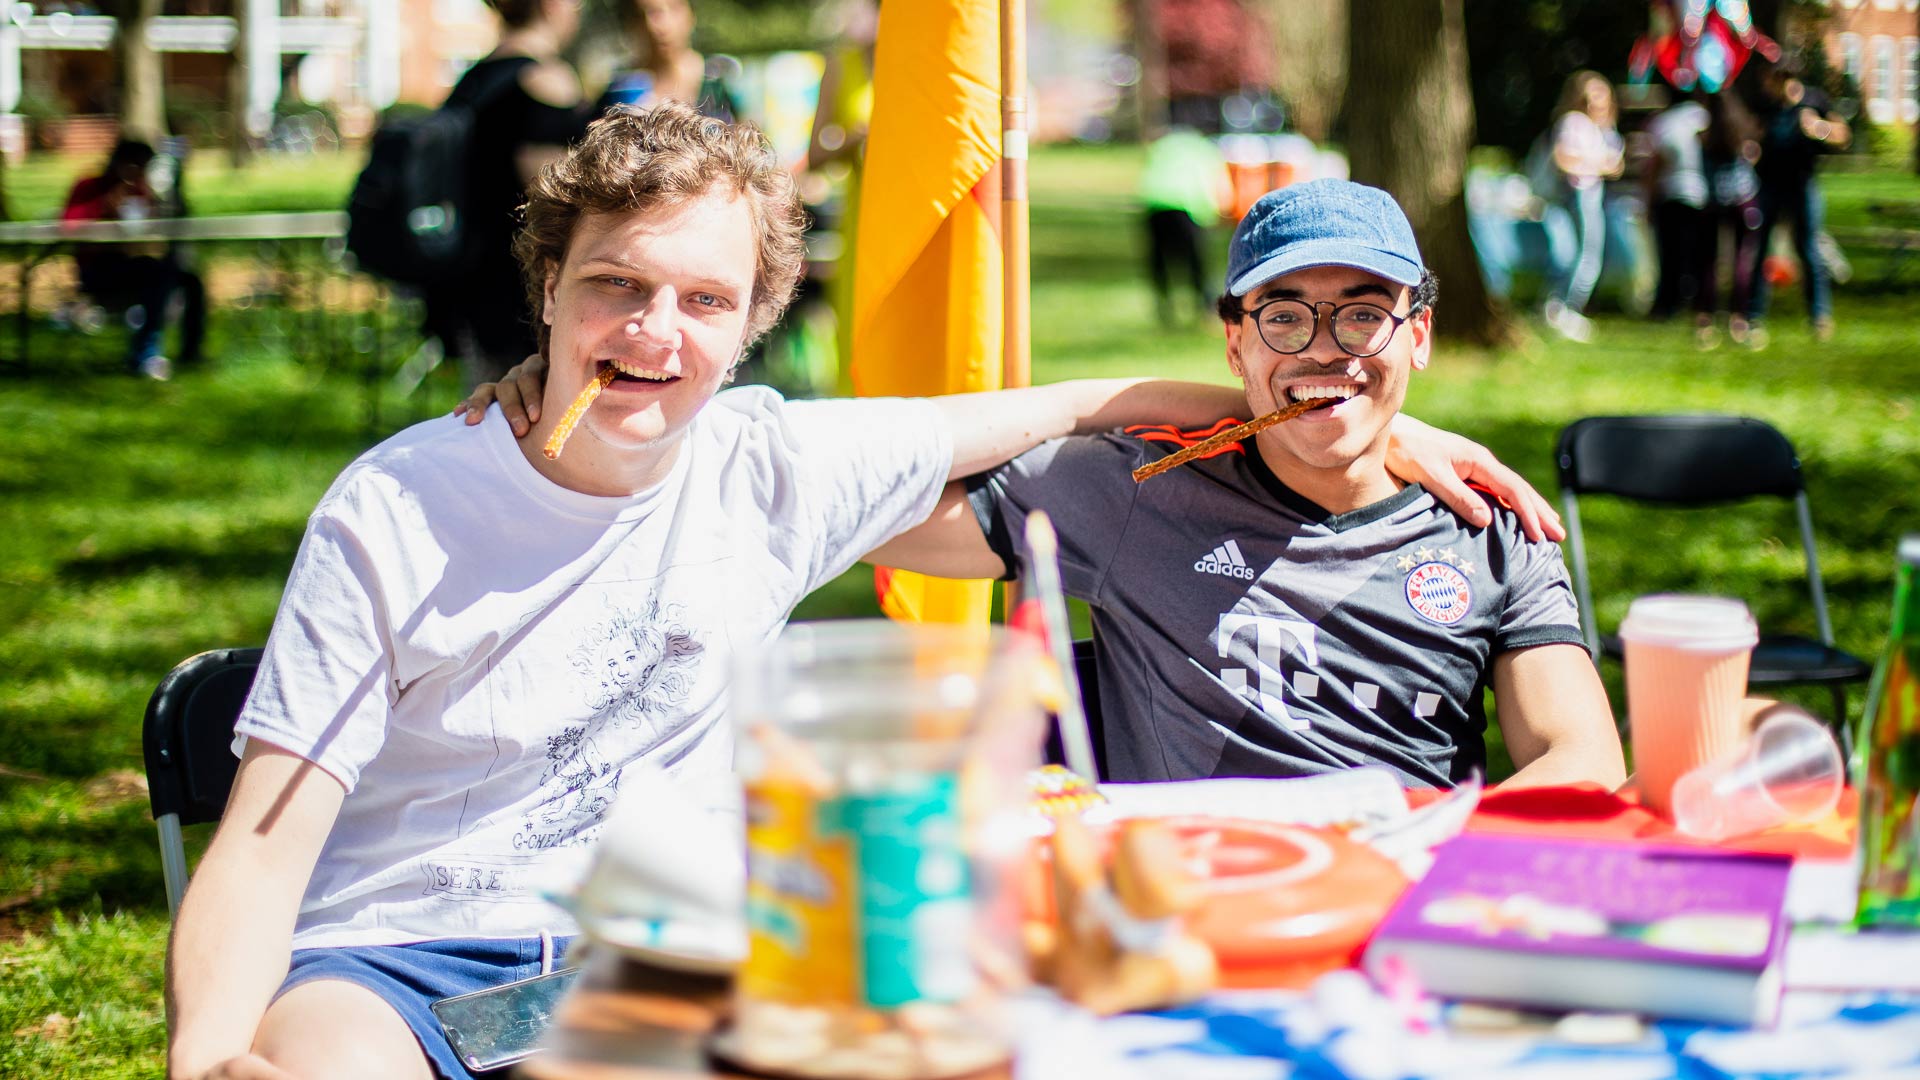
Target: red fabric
[
  {"x": 88, "y": 200},
  {"x": 1588, "y": 811},
  {"x": 93, "y": 198}
]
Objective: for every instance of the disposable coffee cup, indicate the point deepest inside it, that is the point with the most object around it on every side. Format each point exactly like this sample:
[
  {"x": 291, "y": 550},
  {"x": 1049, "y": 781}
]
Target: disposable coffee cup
[
  {"x": 1788, "y": 772},
  {"x": 1686, "y": 660}
]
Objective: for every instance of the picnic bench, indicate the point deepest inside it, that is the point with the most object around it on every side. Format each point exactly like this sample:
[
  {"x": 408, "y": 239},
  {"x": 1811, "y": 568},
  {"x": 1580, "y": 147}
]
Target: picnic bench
[
  {"x": 33, "y": 243},
  {"x": 1894, "y": 228},
  {"x": 306, "y": 249}
]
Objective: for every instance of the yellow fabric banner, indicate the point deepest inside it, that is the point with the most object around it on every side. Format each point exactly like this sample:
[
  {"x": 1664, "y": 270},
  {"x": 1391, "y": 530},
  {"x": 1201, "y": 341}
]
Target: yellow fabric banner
[{"x": 928, "y": 267}]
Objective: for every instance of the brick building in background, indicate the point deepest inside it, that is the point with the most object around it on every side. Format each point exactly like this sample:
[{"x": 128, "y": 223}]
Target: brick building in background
[
  {"x": 355, "y": 57},
  {"x": 1877, "y": 43}
]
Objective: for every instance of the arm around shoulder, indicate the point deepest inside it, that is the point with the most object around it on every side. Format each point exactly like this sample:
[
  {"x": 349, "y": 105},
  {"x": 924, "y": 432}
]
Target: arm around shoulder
[
  {"x": 233, "y": 936},
  {"x": 1450, "y": 465},
  {"x": 992, "y": 427},
  {"x": 950, "y": 543},
  {"x": 1554, "y": 715}
]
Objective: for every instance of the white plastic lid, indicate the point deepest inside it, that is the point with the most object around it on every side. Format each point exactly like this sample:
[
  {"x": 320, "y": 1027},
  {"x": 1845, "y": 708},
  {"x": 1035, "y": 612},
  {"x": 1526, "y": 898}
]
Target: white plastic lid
[{"x": 1690, "y": 622}]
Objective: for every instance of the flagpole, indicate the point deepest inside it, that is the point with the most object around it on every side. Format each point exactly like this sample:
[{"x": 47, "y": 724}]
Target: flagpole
[{"x": 1016, "y": 360}]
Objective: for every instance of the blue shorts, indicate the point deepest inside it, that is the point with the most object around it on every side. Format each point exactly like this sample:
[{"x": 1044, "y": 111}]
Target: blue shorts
[{"x": 411, "y": 977}]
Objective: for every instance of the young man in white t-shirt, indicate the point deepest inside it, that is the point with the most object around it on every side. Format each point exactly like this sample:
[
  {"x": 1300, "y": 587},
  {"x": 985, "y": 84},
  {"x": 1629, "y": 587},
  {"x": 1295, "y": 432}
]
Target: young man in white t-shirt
[{"x": 477, "y": 640}]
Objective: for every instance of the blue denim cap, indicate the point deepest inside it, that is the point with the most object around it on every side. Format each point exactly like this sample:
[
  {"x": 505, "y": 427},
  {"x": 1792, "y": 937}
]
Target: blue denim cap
[{"x": 1322, "y": 223}]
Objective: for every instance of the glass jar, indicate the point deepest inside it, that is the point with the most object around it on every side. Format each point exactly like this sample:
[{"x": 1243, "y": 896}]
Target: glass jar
[{"x": 884, "y": 765}]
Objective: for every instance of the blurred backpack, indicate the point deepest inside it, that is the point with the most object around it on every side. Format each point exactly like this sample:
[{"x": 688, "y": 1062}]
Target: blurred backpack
[
  {"x": 1544, "y": 177},
  {"x": 406, "y": 216}
]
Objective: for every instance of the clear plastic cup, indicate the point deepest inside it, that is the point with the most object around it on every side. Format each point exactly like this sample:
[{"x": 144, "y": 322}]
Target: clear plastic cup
[{"x": 1789, "y": 771}]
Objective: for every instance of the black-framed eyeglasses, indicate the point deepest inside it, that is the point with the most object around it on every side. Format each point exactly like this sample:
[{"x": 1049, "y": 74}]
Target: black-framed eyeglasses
[{"x": 1360, "y": 329}]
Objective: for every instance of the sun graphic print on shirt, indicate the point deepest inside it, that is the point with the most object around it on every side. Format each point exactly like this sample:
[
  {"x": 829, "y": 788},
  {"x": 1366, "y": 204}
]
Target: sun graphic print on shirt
[
  {"x": 637, "y": 669},
  {"x": 635, "y": 673}
]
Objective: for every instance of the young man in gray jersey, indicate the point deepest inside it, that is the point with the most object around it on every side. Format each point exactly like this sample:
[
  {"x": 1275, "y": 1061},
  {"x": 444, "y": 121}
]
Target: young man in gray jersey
[{"x": 1287, "y": 606}]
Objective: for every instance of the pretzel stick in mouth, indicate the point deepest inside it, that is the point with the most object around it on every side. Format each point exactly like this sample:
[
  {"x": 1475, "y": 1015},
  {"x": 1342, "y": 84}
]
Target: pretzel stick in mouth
[
  {"x": 1231, "y": 435},
  {"x": 571, "y": 418}
]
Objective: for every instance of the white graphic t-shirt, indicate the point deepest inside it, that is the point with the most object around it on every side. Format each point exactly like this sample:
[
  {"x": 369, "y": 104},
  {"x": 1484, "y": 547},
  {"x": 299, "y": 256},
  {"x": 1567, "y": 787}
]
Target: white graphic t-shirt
[{"x": 476, "y": 653}]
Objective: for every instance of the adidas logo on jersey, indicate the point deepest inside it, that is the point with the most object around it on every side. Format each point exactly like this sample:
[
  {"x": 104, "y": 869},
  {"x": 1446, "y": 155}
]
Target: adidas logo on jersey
[{"x": 1226, "y": 561}]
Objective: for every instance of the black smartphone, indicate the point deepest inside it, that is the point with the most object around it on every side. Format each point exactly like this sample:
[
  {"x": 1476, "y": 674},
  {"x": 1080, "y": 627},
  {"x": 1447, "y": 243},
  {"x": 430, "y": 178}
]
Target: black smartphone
[{"x": 493, "y": 1028}]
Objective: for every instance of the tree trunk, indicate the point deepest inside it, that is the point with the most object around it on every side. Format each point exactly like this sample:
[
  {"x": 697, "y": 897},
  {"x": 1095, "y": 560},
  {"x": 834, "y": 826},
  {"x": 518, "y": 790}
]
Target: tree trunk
[
  {"x": 1150, "y": 93},
  {"x": 1409, "y": 124},
  {"x": 1310, "y": 61},
  {"x": 143, "y": 102},
  {"x": 239, "y": 93}
]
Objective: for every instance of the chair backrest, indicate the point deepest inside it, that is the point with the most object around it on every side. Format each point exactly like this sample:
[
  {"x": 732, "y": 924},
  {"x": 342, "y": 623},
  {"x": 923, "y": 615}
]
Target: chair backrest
[
  {"x": 1690, "y": 460},
  {"x": 1084, "y": 670},
  {"x": 189, "y": 731}
]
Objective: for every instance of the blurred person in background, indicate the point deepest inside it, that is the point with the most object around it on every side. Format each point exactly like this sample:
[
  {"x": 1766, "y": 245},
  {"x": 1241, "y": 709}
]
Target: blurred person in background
[
  {"x": 528, "y": 106},
  {"x": 1587, "y": 151},
  {"x": 837, "y": 147},
  {"x": 1676, "y": 183},
  {"x": 140, "y": 278},
  {"x": 1184, "y": 188},
  {"x": 1797, "y": 125},
  {"x": 1729, "y": 147},
  {"x": 665, "y": 65}
]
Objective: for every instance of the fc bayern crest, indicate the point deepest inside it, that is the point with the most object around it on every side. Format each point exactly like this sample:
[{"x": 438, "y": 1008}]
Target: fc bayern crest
[{"x": 1439, "y": 593}]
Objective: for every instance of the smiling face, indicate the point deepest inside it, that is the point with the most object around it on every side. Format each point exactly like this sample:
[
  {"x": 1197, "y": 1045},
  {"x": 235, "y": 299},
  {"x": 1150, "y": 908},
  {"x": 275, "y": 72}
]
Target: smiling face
[
  {"x": 661, "y": 296},
  {"x": 1335, "y": 454}
]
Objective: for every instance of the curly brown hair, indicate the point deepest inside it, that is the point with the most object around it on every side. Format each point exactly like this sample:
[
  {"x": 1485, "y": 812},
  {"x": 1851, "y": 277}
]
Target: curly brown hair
[{"x": 634, "y": 160}]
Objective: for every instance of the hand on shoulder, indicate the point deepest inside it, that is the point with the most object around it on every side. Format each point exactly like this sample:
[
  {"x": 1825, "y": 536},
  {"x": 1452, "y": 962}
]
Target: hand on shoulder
[
  {"x": 517, "y": 392},
  {"x": 1449, "y": 466}
]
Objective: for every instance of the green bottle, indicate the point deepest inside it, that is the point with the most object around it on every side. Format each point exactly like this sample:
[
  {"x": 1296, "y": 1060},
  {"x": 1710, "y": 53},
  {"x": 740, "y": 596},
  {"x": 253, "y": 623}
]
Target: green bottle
[{"x": 1886, "y": 764}]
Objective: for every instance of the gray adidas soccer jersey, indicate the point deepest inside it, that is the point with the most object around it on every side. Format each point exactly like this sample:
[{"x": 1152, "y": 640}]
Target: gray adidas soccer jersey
[{"x": 1241, "y": 630}]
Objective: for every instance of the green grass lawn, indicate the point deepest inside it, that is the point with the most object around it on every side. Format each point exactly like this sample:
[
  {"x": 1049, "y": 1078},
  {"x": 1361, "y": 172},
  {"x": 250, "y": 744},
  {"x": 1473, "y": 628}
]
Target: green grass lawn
[
  {"x": 38, "y": 188},
  {"x": 140, "y": 523}
]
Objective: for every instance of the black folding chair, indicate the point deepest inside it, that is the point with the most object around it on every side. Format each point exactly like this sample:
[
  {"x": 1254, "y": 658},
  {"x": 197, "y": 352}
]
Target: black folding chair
[
  {"x": 1701, "y": 461},
  {"x": 187, "y": 739},
  {"x": 1083, "y": 669}
]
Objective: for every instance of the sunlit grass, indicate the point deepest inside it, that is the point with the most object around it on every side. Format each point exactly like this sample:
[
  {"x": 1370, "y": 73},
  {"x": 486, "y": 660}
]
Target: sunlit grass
[
  {"x": 37, "y": 188},
  {"x": 81, "y": 997}
]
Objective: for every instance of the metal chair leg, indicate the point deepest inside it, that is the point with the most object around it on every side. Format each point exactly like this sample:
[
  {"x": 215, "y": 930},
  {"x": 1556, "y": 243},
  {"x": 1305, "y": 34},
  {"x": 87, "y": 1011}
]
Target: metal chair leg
[
  {"x": 1841, "y": 720},
  {"x": 173, "y": 861}
]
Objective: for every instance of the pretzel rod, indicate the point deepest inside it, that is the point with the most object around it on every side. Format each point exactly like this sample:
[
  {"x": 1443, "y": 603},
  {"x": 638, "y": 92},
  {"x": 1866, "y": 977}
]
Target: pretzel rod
[
  {"x": 1231, "y": 435},
  {"x": 571, "y": 418}
]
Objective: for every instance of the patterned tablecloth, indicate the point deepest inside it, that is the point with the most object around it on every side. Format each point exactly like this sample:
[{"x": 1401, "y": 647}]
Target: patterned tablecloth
[{"x": 1341, "y": 1028}]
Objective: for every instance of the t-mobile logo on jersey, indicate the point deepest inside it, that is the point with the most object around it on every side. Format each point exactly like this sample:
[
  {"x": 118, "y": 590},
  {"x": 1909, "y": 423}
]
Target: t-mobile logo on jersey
[{"x": 1273, "y": 638}]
